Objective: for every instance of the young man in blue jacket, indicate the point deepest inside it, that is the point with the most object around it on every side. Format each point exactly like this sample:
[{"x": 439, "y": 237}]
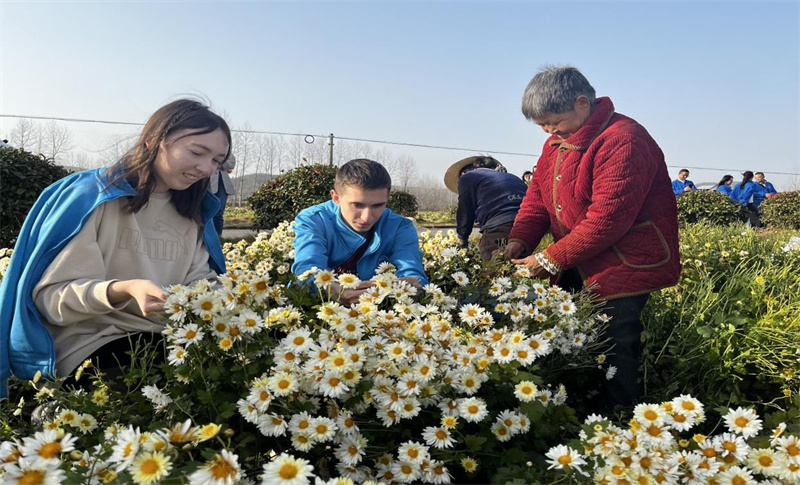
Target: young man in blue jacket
[
  {"x": 354, "y": 232},
  {"x": 488, "y": 195}
]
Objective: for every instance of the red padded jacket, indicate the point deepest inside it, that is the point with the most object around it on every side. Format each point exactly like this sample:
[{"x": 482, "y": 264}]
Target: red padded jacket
[{"x": 606, "y": 194}]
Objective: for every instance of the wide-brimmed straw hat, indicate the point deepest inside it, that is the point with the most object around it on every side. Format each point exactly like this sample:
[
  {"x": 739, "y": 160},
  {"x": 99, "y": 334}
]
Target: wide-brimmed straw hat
[{"x": 451, "y": 176}]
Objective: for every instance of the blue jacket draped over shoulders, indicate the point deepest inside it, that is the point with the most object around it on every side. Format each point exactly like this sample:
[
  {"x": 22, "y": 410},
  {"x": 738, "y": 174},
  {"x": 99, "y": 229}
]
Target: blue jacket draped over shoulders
[{"x": 55, "y": 218}]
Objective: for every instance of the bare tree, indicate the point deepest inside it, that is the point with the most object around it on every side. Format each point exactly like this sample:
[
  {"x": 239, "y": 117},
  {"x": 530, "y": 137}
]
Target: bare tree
[
  {"x": 405, "y": 171},
  {"x": 78, "y": 161},
  {"x": 115, "y": 147},
  {"x": 243, "y": 148},
  {"x": 24, "y": 133},
  {"x": 56, "y": 140},
  {"x": 431, "y": 193}
]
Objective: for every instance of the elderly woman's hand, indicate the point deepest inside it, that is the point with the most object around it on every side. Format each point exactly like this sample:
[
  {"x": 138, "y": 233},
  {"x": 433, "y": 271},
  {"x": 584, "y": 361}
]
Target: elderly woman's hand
[{"x": 537, "y": 270}]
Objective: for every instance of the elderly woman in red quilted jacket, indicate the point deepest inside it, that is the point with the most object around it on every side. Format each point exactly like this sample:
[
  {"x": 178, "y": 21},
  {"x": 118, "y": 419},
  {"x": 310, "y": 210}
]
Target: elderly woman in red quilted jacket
[{"x": 603, "y": 189}]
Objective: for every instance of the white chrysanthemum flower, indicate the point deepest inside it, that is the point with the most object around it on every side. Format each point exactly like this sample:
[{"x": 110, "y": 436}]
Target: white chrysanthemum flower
[
  {"x": 68, "y": 417},
  {"x": 743, "y": 421},
  {"x": 461, "y": 278},
  {"x": 438, "y": 437},
  {"x": 348, "y": 281},
  {"x": 405, "y": 472},
  {"x": 332, "y": 384},
  {"x": 282, "y": 383},
  {"x": 222, "y": 470},
  {"x": 32, "y": 470},
  {"x": 156, "y": 396},
  {"x": 736, "y": 475},
  {"x": 188, "y": 335},
  {"x": 687, "y": 404},
  {"x": 272, "y": 425},
  {"x": 351, "y": 450},
  {"x": 177, "y": 355},
  {"x": 525, "y": 391},
  {"x": 324, "y": 279},
  {"x": 412, "y": 452},
  {"x": 47, "y": 445},
  {"x": 302, "y": 441},
  {"x": 733, "y": 444},
  {"x": 790, "y": 445},
  {"x": 473, "y": 409},
  {"x": 150, "y": 467},
  {"x": 286, "y": 470},
  {"x": 322, "y": 429},
  {"x": 766, "y": 461},
  {"x": 562, "y": 456},
  {"x": 86, "y": 423},
  {"x": 648, "y": 414}
]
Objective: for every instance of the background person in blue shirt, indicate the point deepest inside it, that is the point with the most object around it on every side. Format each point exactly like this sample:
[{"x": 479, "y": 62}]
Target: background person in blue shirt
[
  {"x": 760, "y": 179},
  {"x": 750, "y": 195},
  {"x": 724, "y": 185},
  {"x": 682, "y": 183},
  {"x": 354, "y": 232},
  {"x": 488, "y": 194}
]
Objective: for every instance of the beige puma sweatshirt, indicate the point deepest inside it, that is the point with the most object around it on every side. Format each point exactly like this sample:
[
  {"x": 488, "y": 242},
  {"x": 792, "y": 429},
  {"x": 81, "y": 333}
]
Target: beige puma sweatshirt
[{"x": 156, "y": 243}]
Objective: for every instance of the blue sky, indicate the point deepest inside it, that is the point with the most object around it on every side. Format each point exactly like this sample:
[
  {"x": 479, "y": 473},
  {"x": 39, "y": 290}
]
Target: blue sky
[{"x": 715, "y": 83}]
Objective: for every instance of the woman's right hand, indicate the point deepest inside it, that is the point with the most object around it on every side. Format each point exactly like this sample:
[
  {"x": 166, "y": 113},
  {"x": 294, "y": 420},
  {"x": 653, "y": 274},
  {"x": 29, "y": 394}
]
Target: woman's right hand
[{"x": 149, "y": 296}]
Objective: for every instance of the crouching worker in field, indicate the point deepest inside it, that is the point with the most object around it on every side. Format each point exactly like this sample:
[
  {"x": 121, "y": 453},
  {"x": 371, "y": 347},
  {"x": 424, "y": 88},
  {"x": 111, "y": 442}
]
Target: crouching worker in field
[
  {"x": 99, "y": 246},
  {"x": 354, "y": 232}
]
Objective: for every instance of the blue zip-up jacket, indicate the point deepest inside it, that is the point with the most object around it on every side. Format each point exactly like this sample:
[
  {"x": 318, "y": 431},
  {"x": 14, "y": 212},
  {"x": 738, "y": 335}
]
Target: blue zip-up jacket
[
  {"x": 491, "y": 197},
  {"x": 724, "y": 189},
  {"x": 751, "y": 189},
  {"x": 769, "y": 187},
  {"x": 323, "y": 239},
  {"x": 57, "y": 216},
  {"x": 679, "y": 187}
]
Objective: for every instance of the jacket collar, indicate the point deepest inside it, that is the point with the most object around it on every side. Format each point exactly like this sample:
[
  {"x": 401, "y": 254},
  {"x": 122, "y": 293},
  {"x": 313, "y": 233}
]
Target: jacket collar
[{"x": 591, "y": 128}]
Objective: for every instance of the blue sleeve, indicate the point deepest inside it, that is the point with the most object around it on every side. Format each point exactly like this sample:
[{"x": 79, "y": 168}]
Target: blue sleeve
[
  {"x": 406, "y": 256},
  {"x": 465, "y": 215},
  {"x": 759, "y": 194},
  {"x": 771, "y": 188},
  {"x": 677, "y": 187},
  {"x": 310, "y": 248}
]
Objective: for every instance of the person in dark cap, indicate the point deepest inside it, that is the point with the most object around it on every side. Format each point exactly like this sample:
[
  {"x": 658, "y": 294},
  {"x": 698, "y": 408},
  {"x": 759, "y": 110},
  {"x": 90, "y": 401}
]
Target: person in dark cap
[{"x": 488, "y": 194}]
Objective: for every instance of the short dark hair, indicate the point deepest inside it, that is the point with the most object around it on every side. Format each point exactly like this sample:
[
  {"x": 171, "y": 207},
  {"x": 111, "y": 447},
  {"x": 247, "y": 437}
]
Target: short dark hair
[
  {"x": 683, "y": 170},
  {"x": 363, "y": 173},
  {"x": 760, "y": 173}
]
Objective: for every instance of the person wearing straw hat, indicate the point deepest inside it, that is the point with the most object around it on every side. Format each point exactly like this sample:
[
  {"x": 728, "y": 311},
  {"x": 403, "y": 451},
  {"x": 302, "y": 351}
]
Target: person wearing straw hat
[
  {"x": 602, "y": 187},
  {"x": 488, "y": 194}
]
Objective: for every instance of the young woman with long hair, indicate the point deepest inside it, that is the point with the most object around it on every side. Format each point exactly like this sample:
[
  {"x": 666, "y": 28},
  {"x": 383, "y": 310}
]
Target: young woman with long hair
[{"x": 98, "y": 247}]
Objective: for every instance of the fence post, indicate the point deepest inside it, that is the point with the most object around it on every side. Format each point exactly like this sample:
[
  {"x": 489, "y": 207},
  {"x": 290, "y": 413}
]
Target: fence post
[{"x": 330, "y": 156}]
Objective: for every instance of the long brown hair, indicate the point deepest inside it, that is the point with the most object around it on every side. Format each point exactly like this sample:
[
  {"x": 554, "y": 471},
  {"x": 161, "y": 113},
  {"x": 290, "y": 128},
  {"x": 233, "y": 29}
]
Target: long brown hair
[
  {"x": 746, "y": 177},
  {"x": 136, "y": 166}
]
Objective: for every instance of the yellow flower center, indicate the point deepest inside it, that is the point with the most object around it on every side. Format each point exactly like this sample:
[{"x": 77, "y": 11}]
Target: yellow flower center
[
  {"x": 149, "y": 467},
  {"x": 288, "y": 471},
  {"x": 31, "y": 477},
  {"x": 221, "y": 468},
  {"x": 50, "y": 450}
]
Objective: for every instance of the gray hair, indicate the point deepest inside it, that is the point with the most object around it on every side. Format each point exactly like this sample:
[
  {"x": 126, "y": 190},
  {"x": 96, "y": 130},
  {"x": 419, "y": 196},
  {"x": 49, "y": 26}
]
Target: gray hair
[{"x": 554, "y": 89}]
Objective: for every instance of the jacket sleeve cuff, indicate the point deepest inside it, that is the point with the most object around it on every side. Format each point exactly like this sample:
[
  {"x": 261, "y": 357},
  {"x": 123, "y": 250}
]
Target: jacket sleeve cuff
[
  {"x": 97, "y": 298},
  {"x": 547, "y": 262}
]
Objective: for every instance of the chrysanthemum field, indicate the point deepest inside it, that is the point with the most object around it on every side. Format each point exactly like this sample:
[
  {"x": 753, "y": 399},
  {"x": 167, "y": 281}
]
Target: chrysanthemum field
[{"x": 482, "y": 376}]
